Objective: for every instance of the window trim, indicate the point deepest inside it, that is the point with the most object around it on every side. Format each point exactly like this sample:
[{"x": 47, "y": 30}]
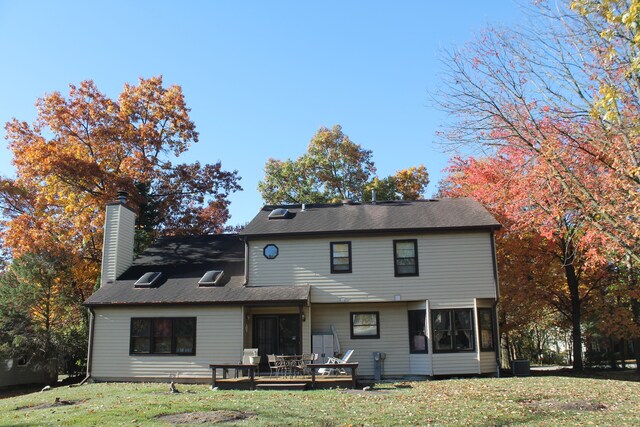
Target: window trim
[
  {"x": 426, "y": 341},
  {"x": 453, "y": 330},
  {"x": 395, "y": 257},
  {"x": 364, "y": 337},
  {"x": 173, "y": 336},
  {"x": 491, "y": 328},
  {"x": 333, "y": 270}
]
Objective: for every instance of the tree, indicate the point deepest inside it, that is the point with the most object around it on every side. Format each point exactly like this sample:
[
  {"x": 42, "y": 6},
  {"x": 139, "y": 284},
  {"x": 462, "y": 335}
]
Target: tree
[
  {"x": 36, "y": 304},
  {"x": 563, "y": 97},
  {"x": 85, "y": 147},
  {"x": 542, "y": 225},
  {"x": 333, "y": 169}
]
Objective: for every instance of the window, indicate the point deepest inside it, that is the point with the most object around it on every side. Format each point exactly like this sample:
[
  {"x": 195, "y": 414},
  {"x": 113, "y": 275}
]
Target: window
[
  {"x": 341, "y": 257},
  {"x": 405, "y": 257},
  {"x": 270, "y": 251},
  {"x": 452, "y": 330},
  {"x": 417, "y": 335},
  {"x": 365, "y": 325},
  {"x": 485, "y": 326},
  {"x": 163, "y": 336}
]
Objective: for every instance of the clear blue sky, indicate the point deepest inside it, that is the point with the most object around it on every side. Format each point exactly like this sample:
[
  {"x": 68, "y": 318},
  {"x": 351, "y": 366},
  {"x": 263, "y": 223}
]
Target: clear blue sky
[{"x": 260, "y": 77}]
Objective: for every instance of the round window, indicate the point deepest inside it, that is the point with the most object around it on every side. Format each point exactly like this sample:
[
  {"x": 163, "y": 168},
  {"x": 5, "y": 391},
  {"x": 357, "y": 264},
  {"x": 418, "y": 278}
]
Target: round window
[{"x": 270, "y": 251}]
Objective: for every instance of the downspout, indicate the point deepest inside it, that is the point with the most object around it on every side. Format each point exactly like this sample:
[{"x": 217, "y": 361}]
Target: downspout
[
  {"x": 92, "y": 320},
  {"x": 498, "y": 344},
  {"x": 427, "y": 327}
]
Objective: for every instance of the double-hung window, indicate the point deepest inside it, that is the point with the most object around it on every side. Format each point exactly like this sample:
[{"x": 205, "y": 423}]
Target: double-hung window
[
  {"x": 340, "y": 257},
  {"x": 452, "y": 330},
  {"x": 365, "y": 325},
  {"x": 163, "y": 335},
  {"x": 405, "y": 257}
]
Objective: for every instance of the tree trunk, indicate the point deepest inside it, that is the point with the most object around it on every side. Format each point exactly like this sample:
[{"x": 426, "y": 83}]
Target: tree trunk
[{"x": 576, "y": 332}]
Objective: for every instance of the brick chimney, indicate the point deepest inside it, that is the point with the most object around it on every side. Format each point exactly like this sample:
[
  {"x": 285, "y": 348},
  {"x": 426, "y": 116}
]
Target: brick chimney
[{"x": 117, "y": 249}]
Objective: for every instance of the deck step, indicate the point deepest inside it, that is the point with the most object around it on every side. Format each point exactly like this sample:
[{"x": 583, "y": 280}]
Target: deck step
[{"x": 281, "y": 386}]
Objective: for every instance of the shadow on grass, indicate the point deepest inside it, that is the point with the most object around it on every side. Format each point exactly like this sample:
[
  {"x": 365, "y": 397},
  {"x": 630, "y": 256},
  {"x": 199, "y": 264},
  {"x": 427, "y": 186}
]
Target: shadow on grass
[{"x": 631, "y": 375}]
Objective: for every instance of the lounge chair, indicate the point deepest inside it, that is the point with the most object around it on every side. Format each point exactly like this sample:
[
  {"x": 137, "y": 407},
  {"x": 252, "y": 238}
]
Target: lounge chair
[{"x": 336, "y": 360}]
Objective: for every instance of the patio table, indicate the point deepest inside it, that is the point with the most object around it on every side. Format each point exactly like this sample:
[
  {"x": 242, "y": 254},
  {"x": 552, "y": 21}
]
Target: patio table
[{"x": 291, "y": 364}]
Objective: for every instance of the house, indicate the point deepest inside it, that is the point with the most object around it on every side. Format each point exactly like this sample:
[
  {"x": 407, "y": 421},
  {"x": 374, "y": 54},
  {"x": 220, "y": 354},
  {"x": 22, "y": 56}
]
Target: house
[{"x": 415, "y": 280}]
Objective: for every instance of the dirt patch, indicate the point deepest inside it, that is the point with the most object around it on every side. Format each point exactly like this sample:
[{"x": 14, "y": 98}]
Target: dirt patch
[
  {"x": 55, "y": 404},
  {"x": 208, "y": 417},
  {"x": 372, "y": 391},
  {"x": 557, "y": 405}
]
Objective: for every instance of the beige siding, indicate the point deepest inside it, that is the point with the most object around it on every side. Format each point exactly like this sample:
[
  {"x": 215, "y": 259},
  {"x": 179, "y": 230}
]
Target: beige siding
[
  {"x": 488, "y": 362},
  {"x": 452, "y": 267},
  {"x": 119, "y": 229},
  {"x": 455, "y": 363},
  {"x": 218, "y": 340},
  {"x": 393, "y": 339}
]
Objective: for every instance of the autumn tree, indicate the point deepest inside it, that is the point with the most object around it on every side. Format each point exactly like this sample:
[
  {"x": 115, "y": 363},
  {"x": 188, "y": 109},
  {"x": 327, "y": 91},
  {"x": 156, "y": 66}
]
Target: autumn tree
[
  {"x": 538, "y": 216},
  {"x": 335, "y": 168},
  {"x": 83, "y": 148}
]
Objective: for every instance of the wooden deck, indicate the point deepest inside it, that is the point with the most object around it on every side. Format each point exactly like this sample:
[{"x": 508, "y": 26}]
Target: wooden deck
[{"x": 253, "y": 381}]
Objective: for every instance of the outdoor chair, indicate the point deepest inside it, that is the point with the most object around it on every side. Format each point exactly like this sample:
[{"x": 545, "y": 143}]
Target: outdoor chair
[
  {"x": 274, "y": 364},
  {"x": 345, "y": 358}
]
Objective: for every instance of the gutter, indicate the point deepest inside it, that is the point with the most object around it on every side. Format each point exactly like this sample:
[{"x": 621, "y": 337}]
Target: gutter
[{"x": 92, "y": 321}]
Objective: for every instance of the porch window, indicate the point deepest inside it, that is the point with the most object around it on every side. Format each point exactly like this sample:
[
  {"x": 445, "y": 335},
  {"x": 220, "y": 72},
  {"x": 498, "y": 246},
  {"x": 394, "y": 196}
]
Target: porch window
[
  {"x": 157, "y": 335},
  {"x": 417, "y": 335},
  {"x": 405, "y": 257},
  {"x": 341, "y": 257},
  {"x": 365, "y": 325},
  {"x": 452, "y": 330},
  {"x": 485, "y": 326}
]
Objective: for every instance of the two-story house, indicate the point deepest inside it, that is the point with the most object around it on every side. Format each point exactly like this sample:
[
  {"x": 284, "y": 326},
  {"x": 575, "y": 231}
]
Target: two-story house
[{"x": 414, "y": 280}]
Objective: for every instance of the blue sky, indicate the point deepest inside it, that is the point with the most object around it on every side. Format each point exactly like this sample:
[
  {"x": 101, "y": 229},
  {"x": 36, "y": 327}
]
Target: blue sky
[{"x": 260, "y": 77}]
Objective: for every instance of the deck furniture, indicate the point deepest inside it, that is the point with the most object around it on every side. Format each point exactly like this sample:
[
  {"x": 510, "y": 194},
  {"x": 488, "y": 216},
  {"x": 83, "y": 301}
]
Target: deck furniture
[
  {"x": 316, "y": 367},
  {"x": 336, "y": 361},
  {"x": 250, "y": 367},
  {"x": 275, "y": 365}
]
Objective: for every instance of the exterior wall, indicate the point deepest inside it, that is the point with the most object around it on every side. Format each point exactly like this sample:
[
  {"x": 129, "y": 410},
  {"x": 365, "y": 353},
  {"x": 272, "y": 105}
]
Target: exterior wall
[
  {"x": 119, "y": 230},
  {"x": 394, "y": 338},
  {"x": 452, "y": 267},
  {"x": 218, "y": 340},
  {"x": 11, "y": 374}
]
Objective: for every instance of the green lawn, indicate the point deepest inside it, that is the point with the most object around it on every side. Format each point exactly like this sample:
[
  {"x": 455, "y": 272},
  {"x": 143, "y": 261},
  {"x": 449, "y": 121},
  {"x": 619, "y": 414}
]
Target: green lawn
[{"x": 534, "y": 401}]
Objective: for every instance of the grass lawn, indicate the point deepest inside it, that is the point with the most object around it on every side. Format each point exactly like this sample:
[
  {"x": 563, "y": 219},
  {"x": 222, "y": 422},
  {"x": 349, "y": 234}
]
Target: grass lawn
[{"x": 533, "y": 401}]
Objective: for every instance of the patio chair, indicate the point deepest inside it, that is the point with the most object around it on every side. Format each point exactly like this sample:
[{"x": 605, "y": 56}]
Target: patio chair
[
  {"x": 304, "y": 362},
  {"x": 274, "y": 364},
  {"x": 345, "y": 358}
]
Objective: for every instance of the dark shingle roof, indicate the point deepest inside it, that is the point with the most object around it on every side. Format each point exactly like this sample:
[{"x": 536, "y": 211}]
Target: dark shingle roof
[
  {"x": 398, "y": 216},
  {"x": 183, "y": 261}
]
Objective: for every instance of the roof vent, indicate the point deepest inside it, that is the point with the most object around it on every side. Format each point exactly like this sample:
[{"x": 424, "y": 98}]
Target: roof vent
[
  {"x": 279, "y": 213},
  {"x": 211, "y": 278},
  {"x": 148, "y": 279}
]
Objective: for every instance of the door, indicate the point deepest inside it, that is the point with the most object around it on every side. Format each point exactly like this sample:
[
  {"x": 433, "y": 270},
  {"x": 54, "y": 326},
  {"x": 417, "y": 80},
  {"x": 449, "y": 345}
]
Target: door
[{"x": 276, "y": 334}]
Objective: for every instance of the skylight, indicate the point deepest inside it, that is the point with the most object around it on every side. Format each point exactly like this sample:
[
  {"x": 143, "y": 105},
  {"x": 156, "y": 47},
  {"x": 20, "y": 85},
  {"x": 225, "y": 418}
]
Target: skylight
[
  {"x": 148, "y": 279},
  {"x": 211, "y": 278},
  {"x": 279, "y": 213}
]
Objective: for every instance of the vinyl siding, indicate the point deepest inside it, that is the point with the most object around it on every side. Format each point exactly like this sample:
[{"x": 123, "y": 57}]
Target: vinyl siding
[
  {"x": 488, "y": 362},
  {"x": 218, "y": 340},
  {"x": 119, "y": 229},
  {"x": 452, "y": 267},
  {"x": 394, "y": 335}
]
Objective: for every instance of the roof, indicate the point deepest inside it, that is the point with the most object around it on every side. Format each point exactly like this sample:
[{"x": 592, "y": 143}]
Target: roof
[
  {"x": 183, "y": 261},
  {"x": 381, "y": 217}
]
